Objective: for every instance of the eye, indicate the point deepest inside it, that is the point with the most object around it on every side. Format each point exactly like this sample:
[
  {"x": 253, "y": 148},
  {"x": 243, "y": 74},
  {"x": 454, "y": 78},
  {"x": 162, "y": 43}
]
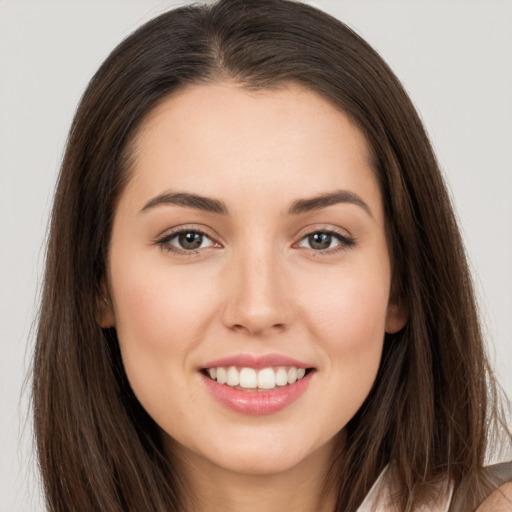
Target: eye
[
  {"x": 325, "y": 240},
  {"x": 186, "y": 240}
]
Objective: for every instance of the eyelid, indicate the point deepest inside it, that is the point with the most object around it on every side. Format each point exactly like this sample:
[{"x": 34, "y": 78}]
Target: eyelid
[
  {"x": 163, "y": 239},
  {"x": 346, "y": 240}
]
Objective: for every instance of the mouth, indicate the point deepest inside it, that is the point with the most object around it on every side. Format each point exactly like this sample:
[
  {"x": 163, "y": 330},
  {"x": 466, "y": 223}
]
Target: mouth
[
  {"x": 254, "y": 379},
  {"x": 257, "y": 384}
]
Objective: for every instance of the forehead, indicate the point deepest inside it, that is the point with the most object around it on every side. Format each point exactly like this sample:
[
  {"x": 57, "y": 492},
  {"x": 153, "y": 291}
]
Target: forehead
[
  {"x": 222, "y": 139},
  {"x": 230, "y": 109}
]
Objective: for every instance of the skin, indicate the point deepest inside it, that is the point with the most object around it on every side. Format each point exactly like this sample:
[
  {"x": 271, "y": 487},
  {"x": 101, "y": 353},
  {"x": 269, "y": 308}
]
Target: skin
[
  {"x": 255, "y": 286},
  {"x": 499, "y": 501}
]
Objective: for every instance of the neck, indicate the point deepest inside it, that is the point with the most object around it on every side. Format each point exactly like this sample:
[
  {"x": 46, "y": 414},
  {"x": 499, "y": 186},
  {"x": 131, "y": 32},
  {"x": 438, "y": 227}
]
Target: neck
[{"x": 300, "y": 488}]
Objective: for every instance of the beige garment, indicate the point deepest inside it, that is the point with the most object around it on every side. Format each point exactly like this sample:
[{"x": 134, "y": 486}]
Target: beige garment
[
  {"x": 379, "y": 499},
  {"x": 496, "y": 475}
]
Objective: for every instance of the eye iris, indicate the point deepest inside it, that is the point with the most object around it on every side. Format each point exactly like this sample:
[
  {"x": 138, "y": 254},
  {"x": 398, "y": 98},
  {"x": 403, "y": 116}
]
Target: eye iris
[
  {"x": 320, "y": 240},
  {"x": 190, "y": 240}
]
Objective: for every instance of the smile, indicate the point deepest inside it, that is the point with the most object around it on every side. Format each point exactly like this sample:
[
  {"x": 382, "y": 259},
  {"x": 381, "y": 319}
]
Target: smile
[
  {"x": 257, "y": 385},
  {"x": 252, "y": 379}
]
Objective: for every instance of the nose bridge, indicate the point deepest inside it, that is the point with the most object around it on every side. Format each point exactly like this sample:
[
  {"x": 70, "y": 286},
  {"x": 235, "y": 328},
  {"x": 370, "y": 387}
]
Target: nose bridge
[{"x": 257, "y": 299}]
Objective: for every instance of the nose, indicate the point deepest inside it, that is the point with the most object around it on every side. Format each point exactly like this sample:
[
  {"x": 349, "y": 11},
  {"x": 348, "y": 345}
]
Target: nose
[{"x": 257, "y": 301}]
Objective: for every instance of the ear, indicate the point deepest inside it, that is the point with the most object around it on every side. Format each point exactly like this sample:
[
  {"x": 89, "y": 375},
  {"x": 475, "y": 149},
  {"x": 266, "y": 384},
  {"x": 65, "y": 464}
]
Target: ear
[
  {"x": 104, "y": 310},
  {"x": 396, "y": 316}
]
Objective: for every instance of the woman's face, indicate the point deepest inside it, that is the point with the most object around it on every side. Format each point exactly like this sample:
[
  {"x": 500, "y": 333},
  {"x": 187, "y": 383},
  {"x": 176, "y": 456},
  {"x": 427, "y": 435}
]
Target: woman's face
[{"x": 250, "y": 244}]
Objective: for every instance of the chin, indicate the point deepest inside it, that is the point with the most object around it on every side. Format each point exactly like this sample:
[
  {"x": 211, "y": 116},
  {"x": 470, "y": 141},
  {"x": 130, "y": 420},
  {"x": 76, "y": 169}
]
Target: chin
[
  {"x": 268, "y": 454},
  {"x": 259, "y": 462}
]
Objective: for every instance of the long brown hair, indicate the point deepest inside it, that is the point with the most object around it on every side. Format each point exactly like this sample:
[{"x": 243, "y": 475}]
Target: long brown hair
[{"x": 429, "y": 413}]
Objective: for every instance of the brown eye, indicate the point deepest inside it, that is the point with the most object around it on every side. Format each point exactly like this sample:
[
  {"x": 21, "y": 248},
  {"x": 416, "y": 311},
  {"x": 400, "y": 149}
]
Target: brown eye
[
  {"x": 190, "y": 240},
  {"x": 320, "y": 241},
  {"x": 326, "y": 241},
  {"x": 185, "y": 241}
]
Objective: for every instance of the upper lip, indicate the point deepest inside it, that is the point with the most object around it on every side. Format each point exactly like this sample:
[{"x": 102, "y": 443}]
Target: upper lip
[{"x": 256, "y": 362}]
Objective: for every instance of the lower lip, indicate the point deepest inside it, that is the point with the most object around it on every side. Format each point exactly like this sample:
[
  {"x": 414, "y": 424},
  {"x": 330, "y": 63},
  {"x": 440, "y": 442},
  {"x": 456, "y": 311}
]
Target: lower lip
[{"x": 257, "y": 402}]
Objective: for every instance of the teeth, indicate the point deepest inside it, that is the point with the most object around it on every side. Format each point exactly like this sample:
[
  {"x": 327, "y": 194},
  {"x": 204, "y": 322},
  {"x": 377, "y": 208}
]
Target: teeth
[
  {"x": 249, "y": 378},
  {"x": 292, "y": 375},
  {"x": 266, "y": 379},
  {"x": 233, "y": 378},
  {"x": 281, "y": 377},
  {"x": 222, "y": 376}
]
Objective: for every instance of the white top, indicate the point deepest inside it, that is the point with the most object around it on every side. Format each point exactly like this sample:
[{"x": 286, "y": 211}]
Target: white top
[{"x": 379, "y": 498}]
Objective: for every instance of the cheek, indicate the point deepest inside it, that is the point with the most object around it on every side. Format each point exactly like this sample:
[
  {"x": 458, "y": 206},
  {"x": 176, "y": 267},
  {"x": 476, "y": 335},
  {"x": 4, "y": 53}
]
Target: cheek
[
  {"x": 161, "y": 316},
  {"x": 346, "y": 314},
  {"x": 353, "y": 337},
  {"x": 349, "y": 310},
  {"x": 162, "y": 308},
  {"x": 348, "y": 324}
]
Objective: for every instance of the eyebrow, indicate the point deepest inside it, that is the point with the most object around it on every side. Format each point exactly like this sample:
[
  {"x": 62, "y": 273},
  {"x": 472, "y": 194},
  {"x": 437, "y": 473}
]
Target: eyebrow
[
  {"x": 188, "y": 200},
  {"x": 298, "y": 207},
  {"x": 329, "y": 199}
]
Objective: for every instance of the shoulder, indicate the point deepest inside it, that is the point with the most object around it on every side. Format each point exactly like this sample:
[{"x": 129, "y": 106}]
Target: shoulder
[
  {"x": 491, "y": 492},
  {"x": 499, "y": 501}
]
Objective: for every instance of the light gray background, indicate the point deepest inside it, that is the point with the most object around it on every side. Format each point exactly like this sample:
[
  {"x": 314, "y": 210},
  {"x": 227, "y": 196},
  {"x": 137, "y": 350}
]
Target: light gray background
[{"x": 453, "y": 56}]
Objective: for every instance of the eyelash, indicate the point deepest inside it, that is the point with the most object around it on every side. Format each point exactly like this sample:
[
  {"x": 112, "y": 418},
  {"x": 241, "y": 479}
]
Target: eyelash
[
  {"x": 345, "y": 242},
  {"x": 164, "y": 241}
]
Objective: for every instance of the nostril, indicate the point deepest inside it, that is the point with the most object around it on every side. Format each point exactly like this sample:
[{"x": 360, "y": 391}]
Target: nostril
[{"x": 254, "y": 328}]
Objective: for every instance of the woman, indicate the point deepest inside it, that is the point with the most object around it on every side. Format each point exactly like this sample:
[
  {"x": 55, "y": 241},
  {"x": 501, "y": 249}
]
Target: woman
[{"x": 256, "y": 295}]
